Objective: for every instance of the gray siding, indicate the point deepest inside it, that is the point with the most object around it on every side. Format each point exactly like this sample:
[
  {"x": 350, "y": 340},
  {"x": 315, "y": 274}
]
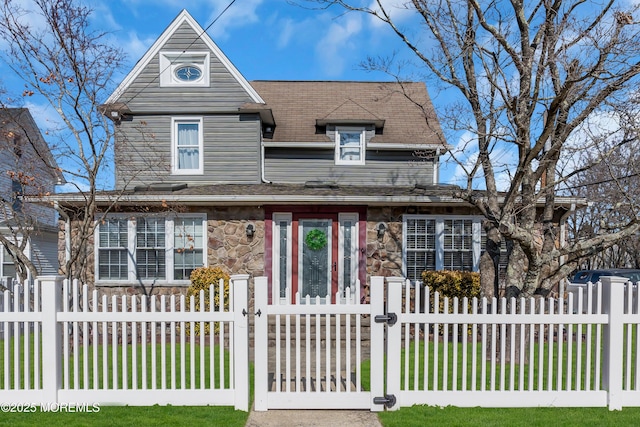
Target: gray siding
[
  {"x": 223, "y": 94},
  {"x": 287, "y": 165},
  {"x": 380, "y": 168},
  {"x": 231, "y": 151}
]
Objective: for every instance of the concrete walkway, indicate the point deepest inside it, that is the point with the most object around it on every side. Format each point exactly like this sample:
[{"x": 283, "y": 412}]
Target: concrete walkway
[{"x": 313, "y": 418}]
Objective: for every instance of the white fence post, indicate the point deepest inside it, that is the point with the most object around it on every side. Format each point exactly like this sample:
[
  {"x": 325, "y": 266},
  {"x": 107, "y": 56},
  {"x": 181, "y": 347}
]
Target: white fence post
[
  {"x": 613, "y": 304},
  {"x": 394, "y": 339},
  {"x": 51, "y": 292},
  {"x": 261, "y": 343},
  {"x": 240, "y": 283},
  {"x": 377, "y": 341}
]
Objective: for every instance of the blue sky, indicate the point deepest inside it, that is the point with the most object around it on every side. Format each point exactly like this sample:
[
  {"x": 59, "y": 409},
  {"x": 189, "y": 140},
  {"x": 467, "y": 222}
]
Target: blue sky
[{"x": 265, "y": 39}]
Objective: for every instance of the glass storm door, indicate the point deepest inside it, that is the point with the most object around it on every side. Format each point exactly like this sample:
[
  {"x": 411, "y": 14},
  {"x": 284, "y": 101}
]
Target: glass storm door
[{"x": 315, "y": 258}]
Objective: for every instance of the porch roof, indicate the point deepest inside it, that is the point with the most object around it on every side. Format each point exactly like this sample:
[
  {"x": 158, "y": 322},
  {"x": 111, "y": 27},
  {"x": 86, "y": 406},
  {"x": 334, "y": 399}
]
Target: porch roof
[{"x": 312, "y": 193}]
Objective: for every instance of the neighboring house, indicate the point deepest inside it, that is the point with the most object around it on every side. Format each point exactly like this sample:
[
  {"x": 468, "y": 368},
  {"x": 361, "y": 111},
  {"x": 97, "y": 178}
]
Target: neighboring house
[
  {"x": 315, "y": 184},
  {"x": 27, "y": 168}
]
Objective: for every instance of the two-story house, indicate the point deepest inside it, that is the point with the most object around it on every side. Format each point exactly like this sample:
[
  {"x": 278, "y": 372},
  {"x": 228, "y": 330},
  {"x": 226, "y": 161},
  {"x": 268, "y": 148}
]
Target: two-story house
[
  {"x": 27, "y": 169},
  {"x": 315, "y": 184}
]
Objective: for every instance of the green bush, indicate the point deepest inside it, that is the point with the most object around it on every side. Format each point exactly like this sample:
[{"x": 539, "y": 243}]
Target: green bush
[
  {"x": 452, "y": 284},
  {"x": 201, "y": 279}
]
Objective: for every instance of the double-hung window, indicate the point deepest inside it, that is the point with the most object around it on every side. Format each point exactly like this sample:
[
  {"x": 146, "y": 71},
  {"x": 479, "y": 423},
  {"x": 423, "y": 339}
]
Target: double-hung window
[
  {"x": 440, "y": 243},
  {"x": 458, "y": 244},
  {"x": 188, "y": 237},
  {"x": 350, "y": 146},
  {"x": 187, "y": 145},
  {"x": 8, "y": 265},
  {"x": 420, "y": 246},
  {"x": 150, "y": 249},
  {"x": 112, "y": 249}
]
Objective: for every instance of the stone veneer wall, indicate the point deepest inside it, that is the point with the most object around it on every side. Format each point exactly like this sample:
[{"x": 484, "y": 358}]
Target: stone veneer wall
[
  {"x": 227, "y": 246},
  {"x": 384, "y": 255}
]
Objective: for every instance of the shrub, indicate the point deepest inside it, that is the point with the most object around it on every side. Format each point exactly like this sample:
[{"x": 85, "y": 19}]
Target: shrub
[
  {"x": 201, "y": 279},
  {"x": 453, "y": 284}
]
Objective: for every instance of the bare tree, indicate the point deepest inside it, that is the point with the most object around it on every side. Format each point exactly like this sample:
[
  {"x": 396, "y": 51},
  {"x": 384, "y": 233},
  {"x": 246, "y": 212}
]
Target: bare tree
[
  {"x": 528, "y": 76},
  {"x": 67, "y": 63},
  {"x": 612, "y": 186}
]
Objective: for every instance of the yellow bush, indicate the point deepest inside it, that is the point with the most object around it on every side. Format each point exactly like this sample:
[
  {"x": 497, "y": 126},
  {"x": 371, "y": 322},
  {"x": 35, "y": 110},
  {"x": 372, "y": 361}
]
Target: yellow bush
[
  {"x": 453, "y": 284},
  {"x": 201, "y": 279}
]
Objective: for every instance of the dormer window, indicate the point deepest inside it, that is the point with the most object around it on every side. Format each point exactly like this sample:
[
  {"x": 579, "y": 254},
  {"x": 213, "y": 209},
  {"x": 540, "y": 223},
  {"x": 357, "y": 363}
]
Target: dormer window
[
  {"x": 184, "y": 69},
  {"x": 350, "y": 146}
]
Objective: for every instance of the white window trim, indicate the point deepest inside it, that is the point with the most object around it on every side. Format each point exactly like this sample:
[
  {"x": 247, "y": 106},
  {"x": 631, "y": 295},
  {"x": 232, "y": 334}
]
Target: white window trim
[
  {"x": 439, "y": 238},
  {"x": 277, "y": 218},
  {"x": 170, "y": 61},
  {"x": 360, "y": 129},
  {"x": 174, "y": 146},
  {"x": 131, "y": 250}
]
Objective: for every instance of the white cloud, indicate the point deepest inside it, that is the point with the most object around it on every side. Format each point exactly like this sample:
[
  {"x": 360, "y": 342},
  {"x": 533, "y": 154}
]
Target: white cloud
[
  {"x": 336, "y": 48},
  {"x": 466, "y": 153},
  {"x": 396, "y": 9},
  {"x": 135, "y": 47},
  {"x": 239, "y": 14},
  {"x": 288, "y": 28},
  {"x": 45, "y": 117}
]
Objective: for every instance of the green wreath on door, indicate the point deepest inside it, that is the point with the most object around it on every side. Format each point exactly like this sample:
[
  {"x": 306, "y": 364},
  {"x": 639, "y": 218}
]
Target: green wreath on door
[{"x": 316, "y": 239}]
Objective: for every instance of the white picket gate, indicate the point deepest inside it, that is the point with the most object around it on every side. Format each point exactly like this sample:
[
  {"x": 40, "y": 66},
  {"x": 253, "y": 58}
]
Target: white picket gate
[
  {"x": 318, "y": 362},
  {"x": 63, "y": 345}
]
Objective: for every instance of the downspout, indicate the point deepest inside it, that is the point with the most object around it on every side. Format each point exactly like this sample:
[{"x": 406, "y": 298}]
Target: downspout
[{"x": 262, "y": 160}]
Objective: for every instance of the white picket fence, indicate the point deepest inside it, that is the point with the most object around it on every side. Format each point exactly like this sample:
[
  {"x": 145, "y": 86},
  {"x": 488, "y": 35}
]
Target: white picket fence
[
  {"x": 65, "y": 344},
  {"x": 535, "y": 353}
]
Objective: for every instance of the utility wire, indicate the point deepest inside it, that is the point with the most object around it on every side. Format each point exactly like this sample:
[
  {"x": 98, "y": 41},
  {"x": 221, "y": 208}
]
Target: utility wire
[{"x": 604, "y": 181}]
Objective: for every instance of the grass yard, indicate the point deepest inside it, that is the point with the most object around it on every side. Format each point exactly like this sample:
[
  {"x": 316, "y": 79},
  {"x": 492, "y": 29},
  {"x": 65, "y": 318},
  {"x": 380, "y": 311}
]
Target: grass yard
[
  {"x": 405, "y": 417},
  {"x": 420, "y": 416},
  {"x": 134, "y": 415}
]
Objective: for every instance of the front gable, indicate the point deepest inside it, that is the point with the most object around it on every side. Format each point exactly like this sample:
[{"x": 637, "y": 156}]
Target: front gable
[{"x": 163, "y": 80}]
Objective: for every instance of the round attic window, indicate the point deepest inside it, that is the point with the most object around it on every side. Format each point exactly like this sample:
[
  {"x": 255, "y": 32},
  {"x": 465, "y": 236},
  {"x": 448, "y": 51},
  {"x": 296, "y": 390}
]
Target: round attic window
[{"x": 188, "y": 73}]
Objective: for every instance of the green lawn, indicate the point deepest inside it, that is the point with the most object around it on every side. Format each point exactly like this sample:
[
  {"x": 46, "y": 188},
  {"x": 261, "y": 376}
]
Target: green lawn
[
  {"x": 405, "y": 417},
  {"x": 176, "y": 360},
  {"x": 420, "y": 416},
  {"x": 135, "y": 415}
]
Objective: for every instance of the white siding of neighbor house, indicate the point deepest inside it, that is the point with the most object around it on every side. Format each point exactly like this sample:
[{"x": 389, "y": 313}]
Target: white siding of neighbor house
[{"x": 44, "y": 253}]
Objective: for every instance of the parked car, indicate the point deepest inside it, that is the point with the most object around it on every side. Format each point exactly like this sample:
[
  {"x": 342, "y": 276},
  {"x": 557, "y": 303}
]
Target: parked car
[
  {"x": 586, "y": 276},
  {"x": 583, "y": 277}
]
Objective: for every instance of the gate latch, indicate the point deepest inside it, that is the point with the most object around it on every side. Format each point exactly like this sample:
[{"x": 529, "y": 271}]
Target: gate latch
[
  {"x": 389, "y": 318},
  {"x": 388, "y": 400}
]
